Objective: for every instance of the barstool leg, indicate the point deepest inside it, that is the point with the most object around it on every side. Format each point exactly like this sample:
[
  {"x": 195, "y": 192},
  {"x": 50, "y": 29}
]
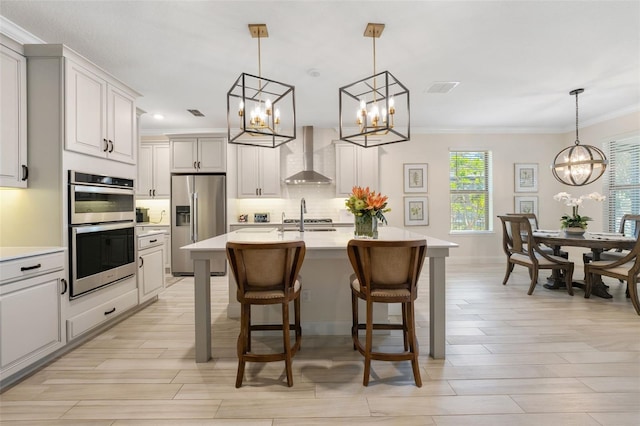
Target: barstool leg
[
  {"x": 368, "y": 344},
  {"x": 287, "y": 343},
  {"x": 413, "y": 343}
]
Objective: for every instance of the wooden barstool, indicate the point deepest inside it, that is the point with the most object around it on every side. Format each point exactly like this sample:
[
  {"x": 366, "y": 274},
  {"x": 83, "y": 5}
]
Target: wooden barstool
[
  {"x": 267, "y": 274},
  {"x": 386, "y": 272}
]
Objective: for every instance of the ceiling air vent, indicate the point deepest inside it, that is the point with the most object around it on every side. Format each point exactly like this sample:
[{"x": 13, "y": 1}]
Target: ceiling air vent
[
  {"x": 442, "y": 86},
  {"x": 196, "y": 113}
]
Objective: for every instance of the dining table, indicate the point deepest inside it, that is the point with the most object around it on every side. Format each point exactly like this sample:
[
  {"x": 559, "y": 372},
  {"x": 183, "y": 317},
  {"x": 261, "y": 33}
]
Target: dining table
[{"x": 597, "y": 242}]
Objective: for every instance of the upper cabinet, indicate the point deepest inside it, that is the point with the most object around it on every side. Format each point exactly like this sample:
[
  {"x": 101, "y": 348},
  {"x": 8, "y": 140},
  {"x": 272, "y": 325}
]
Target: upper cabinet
[
  {"x": 258, "y": 172},
  {"x": 154, "y": 178},
  {"x": 13, "y": 118},
  {"x": 100, "y": 117},
  {"x": 198, "y": 154},
  {"x": 355, "y": 166}
]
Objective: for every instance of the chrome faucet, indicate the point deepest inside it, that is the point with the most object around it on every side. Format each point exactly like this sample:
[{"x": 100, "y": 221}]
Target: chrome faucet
[{"x": 303, "y": 210}]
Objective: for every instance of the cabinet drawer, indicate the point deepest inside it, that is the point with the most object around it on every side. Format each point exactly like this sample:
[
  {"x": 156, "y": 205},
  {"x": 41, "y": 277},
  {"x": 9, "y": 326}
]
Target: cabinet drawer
[
  {"x": 31, "y": 266},
  {"x": 100, "y": 314},
  {"x": 150, "y": 241}
]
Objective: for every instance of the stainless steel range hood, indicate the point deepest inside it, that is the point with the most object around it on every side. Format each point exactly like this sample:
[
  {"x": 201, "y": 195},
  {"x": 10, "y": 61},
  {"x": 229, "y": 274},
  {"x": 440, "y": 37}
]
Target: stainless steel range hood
[{"x": 307, "y": 175}]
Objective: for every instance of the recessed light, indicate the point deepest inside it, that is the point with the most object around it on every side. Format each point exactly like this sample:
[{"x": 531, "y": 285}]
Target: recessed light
[
  {"x": 314, "y": 72},
  {"x": 442, "y": 86},
  {"x": 196, "y": 113},
  {"x": 158, "y": 116}
]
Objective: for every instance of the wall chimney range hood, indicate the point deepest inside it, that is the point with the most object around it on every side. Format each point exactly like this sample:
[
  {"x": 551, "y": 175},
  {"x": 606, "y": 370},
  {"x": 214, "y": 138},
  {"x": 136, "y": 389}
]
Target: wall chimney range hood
[{"x": 307, "y": 175}]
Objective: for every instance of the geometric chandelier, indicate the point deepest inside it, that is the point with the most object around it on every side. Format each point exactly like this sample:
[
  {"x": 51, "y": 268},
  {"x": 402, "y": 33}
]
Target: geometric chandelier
[
  {"x": 579, "y": 165},
  {"x": 260, "y": 111},
  {"x": 375, "y": 110}
]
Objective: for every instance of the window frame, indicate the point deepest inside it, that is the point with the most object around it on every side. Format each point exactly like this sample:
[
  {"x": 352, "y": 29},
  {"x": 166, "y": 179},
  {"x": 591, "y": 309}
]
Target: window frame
[{"x": 613, "y": 211}]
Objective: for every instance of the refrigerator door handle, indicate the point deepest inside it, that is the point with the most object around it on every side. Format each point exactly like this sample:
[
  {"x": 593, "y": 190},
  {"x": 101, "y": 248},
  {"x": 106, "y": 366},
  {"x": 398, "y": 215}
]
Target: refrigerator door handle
[
  {"x": 191, "y": 225},
  {"x": 194, "y": 218}
]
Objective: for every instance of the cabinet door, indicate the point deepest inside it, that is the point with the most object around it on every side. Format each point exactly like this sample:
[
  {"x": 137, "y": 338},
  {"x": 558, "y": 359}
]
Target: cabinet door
[
  {"x": 121, "y": 126},
  {"x": 85, "y": 103},
  {"x": 183, "y": 155},
  {"x": 151, "y": 272},
  {"x": 161, "y": 174},
  {"x": 346, "y": 169},
  {"x": 212, "y": 155},
  {"x": 30, "y": 320},
  {"x": 248, "y": 186},
  {"x": 144, "y": 185},
  {"x": 368, "y": 173},
  {"x": 13, "y": 119},
  {"x": 269, "y": 168}
]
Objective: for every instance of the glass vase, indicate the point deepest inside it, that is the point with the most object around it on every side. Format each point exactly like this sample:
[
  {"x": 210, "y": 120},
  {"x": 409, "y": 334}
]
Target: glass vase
[{"x": 366, "y": 226}]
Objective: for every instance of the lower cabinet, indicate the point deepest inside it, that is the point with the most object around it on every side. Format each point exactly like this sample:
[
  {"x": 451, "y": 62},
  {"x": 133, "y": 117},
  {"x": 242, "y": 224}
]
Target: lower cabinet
[
  {"x": 100, "y": 314},
  {"x": 30, "y": 309},
  {"x": 151, "y": 261}
]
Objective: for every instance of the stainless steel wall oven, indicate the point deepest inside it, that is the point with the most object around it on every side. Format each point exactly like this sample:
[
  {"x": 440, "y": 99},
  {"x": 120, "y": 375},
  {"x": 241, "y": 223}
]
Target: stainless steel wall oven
[{"x": 101, "y": 231}]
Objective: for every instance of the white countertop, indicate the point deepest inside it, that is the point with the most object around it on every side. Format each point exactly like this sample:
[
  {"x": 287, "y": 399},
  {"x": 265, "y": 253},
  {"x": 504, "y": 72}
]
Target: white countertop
[
  {"x": 322, "y": 240},
  {"x": 12, "y": 253}
]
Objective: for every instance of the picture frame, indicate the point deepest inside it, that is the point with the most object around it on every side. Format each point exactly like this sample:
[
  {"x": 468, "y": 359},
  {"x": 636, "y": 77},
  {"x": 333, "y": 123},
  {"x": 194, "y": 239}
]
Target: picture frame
[
  {"x": 415, "y": 177},
  {"x": 416, "y": 211},
  {"x": 526, "y": 177},
  {"x": 526, "y": 204}
]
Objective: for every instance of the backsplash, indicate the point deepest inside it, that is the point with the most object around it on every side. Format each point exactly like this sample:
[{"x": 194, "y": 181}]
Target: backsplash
[
  {"x": 156, "y": 209},
  {"x": 318, "y": 206}
]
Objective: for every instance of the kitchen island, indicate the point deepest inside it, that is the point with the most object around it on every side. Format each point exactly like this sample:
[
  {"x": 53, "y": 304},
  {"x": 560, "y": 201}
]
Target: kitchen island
[{"x": 324, "y": 276}]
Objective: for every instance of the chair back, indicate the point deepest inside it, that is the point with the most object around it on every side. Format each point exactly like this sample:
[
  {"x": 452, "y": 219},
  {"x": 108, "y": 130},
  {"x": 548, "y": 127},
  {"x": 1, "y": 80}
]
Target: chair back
[
  {"x": 516, "y": 235},
  {"x": 533, "y": 219},
  {"x": 387, "y": 265},
  {"x": 630, "y": 225},
  {"x": 265, "y": 266}
]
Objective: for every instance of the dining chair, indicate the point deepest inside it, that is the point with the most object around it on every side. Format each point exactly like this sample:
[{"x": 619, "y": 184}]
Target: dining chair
[
  {"x": 386, "y": 272},
  {"x": 625, "y": 268},
  {"x": 533, "y": 220},
  {"x": 521, "y": 249},
  {"x": 267, "y": 274}
]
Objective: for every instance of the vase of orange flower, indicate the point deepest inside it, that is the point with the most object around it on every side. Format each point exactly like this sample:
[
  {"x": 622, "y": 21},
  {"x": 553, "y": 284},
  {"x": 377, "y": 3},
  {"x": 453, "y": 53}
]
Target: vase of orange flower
[{"x": 368, "y": 207}]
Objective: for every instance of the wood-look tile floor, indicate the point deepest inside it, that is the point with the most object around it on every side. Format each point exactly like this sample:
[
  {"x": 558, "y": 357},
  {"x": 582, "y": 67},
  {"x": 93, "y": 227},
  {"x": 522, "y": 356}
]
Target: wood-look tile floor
[{"x": 512, "y": 359}]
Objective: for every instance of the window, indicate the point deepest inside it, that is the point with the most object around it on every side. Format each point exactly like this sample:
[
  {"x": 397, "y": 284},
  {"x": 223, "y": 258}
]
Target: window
[
  {"x": 622, "y": 181},
  {"x": 470, "y": 190}
]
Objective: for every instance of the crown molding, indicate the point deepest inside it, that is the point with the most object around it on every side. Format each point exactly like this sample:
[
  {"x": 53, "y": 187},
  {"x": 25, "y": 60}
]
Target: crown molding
[{"x": 17, "y": 33}]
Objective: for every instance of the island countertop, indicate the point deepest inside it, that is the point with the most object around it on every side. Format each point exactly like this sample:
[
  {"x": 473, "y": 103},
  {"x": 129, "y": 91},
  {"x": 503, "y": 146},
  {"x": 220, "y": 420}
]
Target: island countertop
[
  {"x": 326, "y": 269},
  {"x": 318, "y": 240}
]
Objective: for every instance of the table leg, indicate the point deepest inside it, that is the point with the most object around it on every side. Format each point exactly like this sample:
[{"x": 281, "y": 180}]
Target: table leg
[
  {"x": 556, "y": 280},
  {"x": 598, "y": 288},
  {"x": 437, "y": 314},
  {"x": 202, "y": 293}
]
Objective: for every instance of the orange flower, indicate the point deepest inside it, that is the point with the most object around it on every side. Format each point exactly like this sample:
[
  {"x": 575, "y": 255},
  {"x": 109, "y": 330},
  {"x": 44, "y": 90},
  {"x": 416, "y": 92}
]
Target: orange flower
[{"x": 376, "y": 201}]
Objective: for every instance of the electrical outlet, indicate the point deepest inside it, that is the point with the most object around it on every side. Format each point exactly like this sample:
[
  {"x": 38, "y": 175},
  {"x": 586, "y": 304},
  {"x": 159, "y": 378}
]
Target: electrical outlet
[{"x": 306, "y": 295}]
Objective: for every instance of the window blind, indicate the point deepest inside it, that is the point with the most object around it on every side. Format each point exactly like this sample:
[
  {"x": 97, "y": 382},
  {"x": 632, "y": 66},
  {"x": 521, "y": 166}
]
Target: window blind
[{"x": 622, "y": 181}]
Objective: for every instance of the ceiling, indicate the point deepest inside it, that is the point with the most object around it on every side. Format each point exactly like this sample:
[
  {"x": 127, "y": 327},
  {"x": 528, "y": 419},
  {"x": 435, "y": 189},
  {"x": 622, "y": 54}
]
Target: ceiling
[{"x": 516, "y": 61}]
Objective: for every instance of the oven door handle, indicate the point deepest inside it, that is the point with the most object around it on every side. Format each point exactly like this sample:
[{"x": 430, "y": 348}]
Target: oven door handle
[
  {"x": 86, "y": 229},
  {"x": 100, "y": 189}
]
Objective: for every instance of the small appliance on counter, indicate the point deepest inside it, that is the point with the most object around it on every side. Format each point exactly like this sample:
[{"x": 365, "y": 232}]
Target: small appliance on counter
[
  {"x": 142, "y": 214},
  {"x": 261, "y": 217}
]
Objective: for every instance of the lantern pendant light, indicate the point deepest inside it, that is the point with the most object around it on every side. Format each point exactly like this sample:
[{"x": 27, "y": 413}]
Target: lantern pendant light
[
  {"x": 375, "y": 110},
  {"x": 260, "y": 111}
]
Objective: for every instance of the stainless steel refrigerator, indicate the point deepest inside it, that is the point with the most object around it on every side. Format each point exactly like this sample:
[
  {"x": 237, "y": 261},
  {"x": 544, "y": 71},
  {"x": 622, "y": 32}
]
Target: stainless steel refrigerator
[{"x": 198, "y": 212}]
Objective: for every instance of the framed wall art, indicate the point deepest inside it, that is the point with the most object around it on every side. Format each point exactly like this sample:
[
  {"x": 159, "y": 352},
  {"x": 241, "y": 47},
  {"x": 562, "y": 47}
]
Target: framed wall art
[
  {"x": 416, "y": 211},
  {"x": 415, "y": 178},
  {"x": 526, "y": 177},
  {"x": 526, "y": 205}
]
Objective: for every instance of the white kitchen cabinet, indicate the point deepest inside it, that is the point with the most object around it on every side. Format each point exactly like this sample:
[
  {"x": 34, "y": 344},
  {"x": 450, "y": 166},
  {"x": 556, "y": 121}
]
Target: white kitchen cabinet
[
  {"x": 167, "y": 240},
  {"x": 100, "y": 117},
  {"x": 198, "y": 154},
  {"x": 13, "y": 118},
  {"x": 30, "y": 310},
  {"x": 154, "y": 178},
  {"x": 258, "y": 172},
  {"x": 151, "y": 261},
  {"x": 356, "y": 166}
]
